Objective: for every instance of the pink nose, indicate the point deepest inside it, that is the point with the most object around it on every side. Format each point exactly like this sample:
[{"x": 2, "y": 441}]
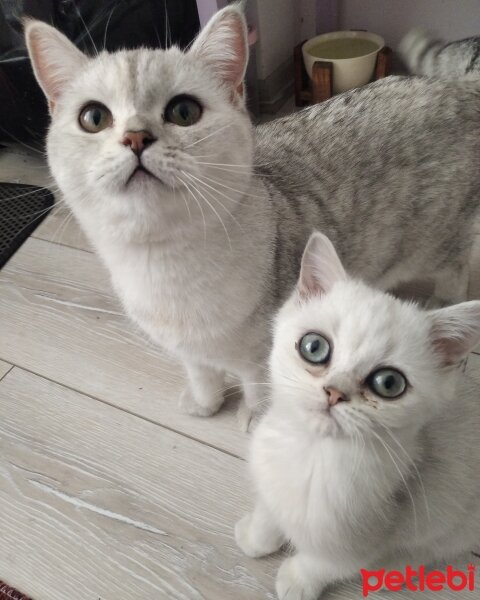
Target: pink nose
[
  {"x": 334, "y": 395},
  {"x": 137, "y": 140}
]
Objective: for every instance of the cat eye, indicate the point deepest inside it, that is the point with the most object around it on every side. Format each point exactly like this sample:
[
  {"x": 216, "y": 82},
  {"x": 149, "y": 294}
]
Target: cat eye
[
  {"x": 387, "y": 383},
  {"x": 95, "y": 117},
  {"x": 183, "y": 111},
  {"x": 314, "y": 348}
]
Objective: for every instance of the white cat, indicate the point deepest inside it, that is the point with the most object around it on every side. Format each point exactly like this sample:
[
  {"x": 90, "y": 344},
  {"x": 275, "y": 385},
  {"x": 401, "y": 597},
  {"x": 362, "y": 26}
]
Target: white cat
[
  {"x": 369, "y": 455},
  {"x": 201, "y": 219}
]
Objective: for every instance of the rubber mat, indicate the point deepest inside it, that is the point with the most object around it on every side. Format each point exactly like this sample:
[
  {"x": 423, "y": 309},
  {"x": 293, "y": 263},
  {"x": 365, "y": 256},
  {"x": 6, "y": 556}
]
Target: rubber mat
[
  {"x": 8, "y": 593},
  {"x": 22, "y": 209}
]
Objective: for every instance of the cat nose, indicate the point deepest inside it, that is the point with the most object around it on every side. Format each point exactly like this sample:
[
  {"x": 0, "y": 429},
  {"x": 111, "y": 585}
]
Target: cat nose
[
  {"x": 334, "y": 395},
  {"x": 138, "y": 140}
]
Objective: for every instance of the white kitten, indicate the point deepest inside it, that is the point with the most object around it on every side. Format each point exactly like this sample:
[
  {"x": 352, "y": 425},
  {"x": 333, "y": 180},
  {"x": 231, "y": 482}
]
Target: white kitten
[{"x": 370, "y": 454}]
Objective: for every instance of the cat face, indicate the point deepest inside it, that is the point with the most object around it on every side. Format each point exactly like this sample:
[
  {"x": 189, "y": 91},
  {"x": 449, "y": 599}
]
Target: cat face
[
  {"x": 142, "y": 142},
  {"x": 349, "y": 359}
]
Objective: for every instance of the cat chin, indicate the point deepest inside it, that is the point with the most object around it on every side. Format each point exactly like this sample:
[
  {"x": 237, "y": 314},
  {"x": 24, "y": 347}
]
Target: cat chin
[
  {"x": 318, "y": 422},
  {"x": 327, "y": 426},
  {"x": 144, "y": 179},
  {"x": 143, "y": 186}
]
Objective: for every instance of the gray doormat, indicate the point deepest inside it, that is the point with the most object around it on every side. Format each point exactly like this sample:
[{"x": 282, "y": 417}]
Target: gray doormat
[{"x": 22, "y": 209}]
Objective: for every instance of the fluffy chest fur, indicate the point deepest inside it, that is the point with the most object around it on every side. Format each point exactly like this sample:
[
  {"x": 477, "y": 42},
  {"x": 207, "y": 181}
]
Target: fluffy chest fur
[
  {"x": 319, "y": 490},
  {"x": 177, "y": 292}
]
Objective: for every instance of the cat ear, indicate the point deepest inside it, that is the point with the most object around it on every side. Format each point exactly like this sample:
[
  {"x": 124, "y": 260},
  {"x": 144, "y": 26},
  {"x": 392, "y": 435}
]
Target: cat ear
[
  {"x": 455, "y": 331},
  {"x": 321, "y": 267},
  {"x": 54, "y": 58},
  {"x": 223, "y": 44}
]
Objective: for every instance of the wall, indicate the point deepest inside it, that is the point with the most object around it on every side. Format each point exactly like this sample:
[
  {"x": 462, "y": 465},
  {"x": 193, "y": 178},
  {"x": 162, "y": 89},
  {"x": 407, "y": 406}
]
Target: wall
[
  {"x": 281, "y": 25},
  {"x": 448, "y": 19},
  {"x": 276, "y": 21}
]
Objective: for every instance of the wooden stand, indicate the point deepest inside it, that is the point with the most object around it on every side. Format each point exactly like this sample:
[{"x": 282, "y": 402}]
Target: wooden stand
[{"x": 320, "y": 87}]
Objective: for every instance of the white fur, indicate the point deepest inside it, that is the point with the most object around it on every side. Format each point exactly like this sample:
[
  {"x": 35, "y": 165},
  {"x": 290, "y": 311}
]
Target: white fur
[
  {"x": 181, "y": 251},
  {"x": 372, "y": 482}
]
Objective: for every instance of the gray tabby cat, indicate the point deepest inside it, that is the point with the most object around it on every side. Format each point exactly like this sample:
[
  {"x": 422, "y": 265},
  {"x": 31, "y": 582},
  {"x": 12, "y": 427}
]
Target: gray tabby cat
[
  {"x": 426, "y": 56},
  {"x": 202, "y": 219}
]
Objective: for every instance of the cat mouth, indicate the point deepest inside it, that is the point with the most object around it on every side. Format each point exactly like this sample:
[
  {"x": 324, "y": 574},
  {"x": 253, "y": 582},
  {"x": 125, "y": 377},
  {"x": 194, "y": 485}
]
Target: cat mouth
[
  {"x": 330, "y": 419},
  {"x": 141, "y": 172}
]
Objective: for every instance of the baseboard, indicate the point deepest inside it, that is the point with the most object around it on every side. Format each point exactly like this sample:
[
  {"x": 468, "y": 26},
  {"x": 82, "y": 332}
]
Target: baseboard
[{"x": 275, "y": 89}]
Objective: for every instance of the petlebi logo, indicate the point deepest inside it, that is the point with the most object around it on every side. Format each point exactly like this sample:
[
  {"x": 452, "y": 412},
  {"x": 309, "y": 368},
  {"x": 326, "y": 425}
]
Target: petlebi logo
[{"x": 418, "y": 580}]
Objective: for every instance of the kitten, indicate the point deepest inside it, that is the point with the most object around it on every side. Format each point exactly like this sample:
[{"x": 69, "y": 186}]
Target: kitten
[
  {"x": 201, "y": 219},
  {"x": 424, "y": 55},
  {"x": 369, "y": 455}
]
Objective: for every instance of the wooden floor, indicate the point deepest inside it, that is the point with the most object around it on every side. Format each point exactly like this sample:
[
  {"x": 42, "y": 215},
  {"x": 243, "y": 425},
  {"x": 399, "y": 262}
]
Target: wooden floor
[{"x": 107, "y": 491}]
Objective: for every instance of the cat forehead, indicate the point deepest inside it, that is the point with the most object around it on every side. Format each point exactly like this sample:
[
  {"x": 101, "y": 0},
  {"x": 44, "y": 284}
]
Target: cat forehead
[
  {"x": 361, "y": 318},
  {"x": 142, "y": 77}
]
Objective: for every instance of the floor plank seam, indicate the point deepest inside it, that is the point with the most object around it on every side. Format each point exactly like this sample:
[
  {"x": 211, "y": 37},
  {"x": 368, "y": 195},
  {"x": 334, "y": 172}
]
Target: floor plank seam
[
  {"x": 5, "y": 374},
  {"x": 42, "y": 239},
  {"x": 129, "y": 412}
]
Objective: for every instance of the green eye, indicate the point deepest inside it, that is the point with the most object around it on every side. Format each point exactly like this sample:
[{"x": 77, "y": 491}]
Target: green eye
[
  {"x": 95, "y": 117},
  {"x": 314, "y": 348},
  {"x": 183, "y": 111},
  {"x": 387, "y": 383}
]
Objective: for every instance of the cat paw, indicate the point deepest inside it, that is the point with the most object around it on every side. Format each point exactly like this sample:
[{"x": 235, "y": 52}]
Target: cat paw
[
  {"x": 188, "y": 406},
  {"x": 245, "y": 538},
  {"x": 291, "y": 585}
]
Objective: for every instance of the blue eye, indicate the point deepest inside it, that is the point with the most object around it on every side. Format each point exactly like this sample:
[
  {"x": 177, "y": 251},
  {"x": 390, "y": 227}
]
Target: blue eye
[
  {"x": 387, "y": 383},
  {"x": 314, "y": 348}
]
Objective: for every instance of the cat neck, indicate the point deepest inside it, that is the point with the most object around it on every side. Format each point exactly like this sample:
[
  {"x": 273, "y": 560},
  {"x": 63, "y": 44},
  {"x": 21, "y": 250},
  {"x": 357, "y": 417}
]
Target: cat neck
[
  {"x": 389, "y": 457},
  {"x": 169, "y": 282}
]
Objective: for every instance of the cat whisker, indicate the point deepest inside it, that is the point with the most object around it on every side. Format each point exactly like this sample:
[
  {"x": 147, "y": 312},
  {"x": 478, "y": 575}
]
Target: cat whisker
[
  {"x": 237, "y": 173},
  {"x": 412, "y": 462},
  {"x": 358, "y": 439},
  {"x": 212, "y": 207},
  {"x": 243, "y": 193},
  {"x": 106, "y": 28},
  {"x": 195, "y": 156},
  {"x": 38, "y": 214},
  {"x": 168, "y": 40},
  {"x": 18, "y": 218},
  {"x": 62, "y": 227},
  {"x": 18, "y": 141},
  {"x": 392, "y": 454},
  {"x": 238, "y": 166},
  {"x": 199, "y": 206},
  {"x": 34, "y": 191},
  {"x": 208, "y": 136},
  {"x": 200, "y": 182},
  {"x": 79, "y": 14},
  {"x": 184, "y": 199},
  {"x": 237, "y": 388}
]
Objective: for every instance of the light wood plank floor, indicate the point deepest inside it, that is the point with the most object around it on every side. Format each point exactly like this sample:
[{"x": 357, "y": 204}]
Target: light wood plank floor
[{"x": 107, "y": 492}]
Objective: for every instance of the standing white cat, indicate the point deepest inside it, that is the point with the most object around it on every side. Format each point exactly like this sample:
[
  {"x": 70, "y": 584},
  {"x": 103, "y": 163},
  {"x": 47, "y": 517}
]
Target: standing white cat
[{"x": 369, "y": 455}]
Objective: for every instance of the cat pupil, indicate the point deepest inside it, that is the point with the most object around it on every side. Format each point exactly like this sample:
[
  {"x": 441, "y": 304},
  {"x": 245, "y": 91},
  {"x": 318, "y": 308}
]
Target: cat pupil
[
  {"x": 314, "y": 346},
  {"x": 97, "y": 117},
  {"x": 389, "y": 382}
]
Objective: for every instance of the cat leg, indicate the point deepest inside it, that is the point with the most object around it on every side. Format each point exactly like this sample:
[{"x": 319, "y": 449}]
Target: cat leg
[
  {"x": 304, "y": 577},
  {"x": 255, "y": 394},
  {"x": 203, "y": 396},
  {"x": 257, "y": 535}
]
